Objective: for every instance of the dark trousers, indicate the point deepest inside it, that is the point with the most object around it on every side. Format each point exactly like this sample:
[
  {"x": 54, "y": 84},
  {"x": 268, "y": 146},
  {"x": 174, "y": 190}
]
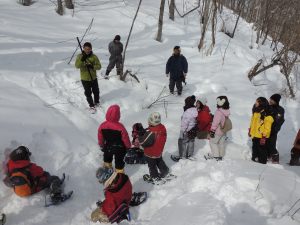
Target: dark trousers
[
  {"x": 119, "y": 158},
  {"x": 259, "y": 151},
  {"x": 114, "y": 61},
  {"x": 295, "y": 155},
  {"x": 271, "y": 147},
  {"x": 46, "y": 180},
  {"x": 89, "y": 88},
  {"x": 156, "y": 164},
  {"x": 178, "y": 84}
]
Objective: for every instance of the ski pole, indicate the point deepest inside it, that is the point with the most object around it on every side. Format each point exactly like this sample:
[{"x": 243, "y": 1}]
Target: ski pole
[{"x": 85, "y": 59}]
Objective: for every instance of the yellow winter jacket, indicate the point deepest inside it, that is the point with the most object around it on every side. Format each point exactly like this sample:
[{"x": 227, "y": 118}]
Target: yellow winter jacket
[{"x": 260, "y": 128}]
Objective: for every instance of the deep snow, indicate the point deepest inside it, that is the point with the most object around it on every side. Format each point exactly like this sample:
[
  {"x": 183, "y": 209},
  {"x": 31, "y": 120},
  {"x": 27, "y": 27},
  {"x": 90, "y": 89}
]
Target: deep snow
[{"x": 43, "y": 107}]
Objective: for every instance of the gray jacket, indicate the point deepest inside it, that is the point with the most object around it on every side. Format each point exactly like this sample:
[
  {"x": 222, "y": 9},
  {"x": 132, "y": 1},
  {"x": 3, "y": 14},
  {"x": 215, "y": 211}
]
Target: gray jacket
[{"x": 115, "y": 49}]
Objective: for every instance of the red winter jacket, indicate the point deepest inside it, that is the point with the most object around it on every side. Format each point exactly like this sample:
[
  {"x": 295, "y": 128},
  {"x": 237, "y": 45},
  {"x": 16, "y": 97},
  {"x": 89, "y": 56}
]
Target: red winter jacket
[
  {"x": 155, "y": 151},
  {"x": 112, "y": 122},
  {"x": 114, "y": 199},
  {"x": 36, "y": 171},
  {"x": 204, "y": 119}
]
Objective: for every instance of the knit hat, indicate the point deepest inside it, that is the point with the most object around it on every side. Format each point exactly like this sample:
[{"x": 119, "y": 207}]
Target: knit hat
[
  {"x": 203, "y": 100},
  {"x": 176, "y": 47},
  {"x": 154, "y": 119},
  {"x": 20, "y": 153},
  {"x": 87, "y": 44},
  {"x": 117, "y": 38},
  {"x": 276, "y": 98}
]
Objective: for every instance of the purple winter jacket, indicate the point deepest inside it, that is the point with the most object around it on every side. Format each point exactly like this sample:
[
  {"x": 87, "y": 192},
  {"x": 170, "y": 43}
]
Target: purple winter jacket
[
  {"x": 219, "y": 119},
  {"x": 189, "y": 119}
]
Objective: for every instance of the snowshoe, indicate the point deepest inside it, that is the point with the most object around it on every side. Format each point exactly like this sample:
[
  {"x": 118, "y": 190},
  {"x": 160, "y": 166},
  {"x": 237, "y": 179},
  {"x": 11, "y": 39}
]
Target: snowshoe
[
  {"x": 2, "y": 219},
  {"x": 55, "y": 199},
  {"x": 138, "y": 198},
  {"x": 155, "y": 181},
  {"x": 175, "y": 158},
  {"x": 103, "y": 173},
  {"x": 169, "y": 177}
]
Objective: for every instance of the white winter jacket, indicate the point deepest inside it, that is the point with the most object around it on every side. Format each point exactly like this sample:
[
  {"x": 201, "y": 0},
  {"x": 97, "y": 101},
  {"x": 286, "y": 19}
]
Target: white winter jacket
[{"x": 189, "y": 119}]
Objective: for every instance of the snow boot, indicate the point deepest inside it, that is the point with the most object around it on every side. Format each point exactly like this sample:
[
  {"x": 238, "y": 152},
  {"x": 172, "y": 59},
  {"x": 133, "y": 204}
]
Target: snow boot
[{"x": 175, "y": 158}]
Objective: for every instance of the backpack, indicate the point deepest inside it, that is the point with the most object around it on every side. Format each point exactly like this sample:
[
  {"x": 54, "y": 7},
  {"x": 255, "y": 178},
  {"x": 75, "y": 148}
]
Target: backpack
[
  {"x": 22, "y": 181},
  {"x": 227, "y": 125}
]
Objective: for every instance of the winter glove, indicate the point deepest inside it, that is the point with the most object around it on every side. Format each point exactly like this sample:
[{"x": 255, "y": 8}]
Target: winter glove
[
  {"x": 262, "y": 141},
  {"x": 84, "y": 56},
  {"x": 212, "y": 134},
  {"x": 99, "y": 203},
  {"x": 90, "y": 66}
]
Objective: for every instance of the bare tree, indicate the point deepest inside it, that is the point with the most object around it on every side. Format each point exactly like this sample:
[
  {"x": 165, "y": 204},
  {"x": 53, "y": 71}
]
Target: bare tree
[
  {"x": 69, "y": 4},
  {"x": 60, "y": 8},
  {"x": 204, "y": 21},
  {"x": 122, "y": 77},
  {"x": 172, "y": 10},
  {"x": 160, "y": 20}
]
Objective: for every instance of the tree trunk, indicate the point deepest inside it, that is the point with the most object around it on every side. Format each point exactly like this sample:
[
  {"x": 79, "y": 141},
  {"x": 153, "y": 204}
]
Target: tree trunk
[
  {"x": 160, "y": 20},
  {"x": 69, "y": 4},
  {"x": 128, "y": 38},
  {"x": 60, "y": 9},
  {"x": 172, "y": 10}
]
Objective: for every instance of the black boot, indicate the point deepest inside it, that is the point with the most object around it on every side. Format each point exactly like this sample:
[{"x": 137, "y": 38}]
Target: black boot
[{"x": 56, "y": 190}]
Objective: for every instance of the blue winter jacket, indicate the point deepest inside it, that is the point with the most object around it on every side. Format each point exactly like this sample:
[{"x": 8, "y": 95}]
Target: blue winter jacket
[{"x": 176, "y": 66}]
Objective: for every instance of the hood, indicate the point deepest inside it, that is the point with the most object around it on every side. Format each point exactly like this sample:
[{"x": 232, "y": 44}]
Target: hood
[
  {"x": 226, "y": 112},
  {"x": 113, "y": 113}
]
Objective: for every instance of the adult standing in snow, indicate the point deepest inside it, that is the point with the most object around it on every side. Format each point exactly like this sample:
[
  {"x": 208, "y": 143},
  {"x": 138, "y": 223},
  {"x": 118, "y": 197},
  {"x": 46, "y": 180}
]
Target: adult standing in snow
[
  {"x": 115, "y": 49},
  {"x": 217, "y": 136},
  {"x": 260, "y": 129},
  {"x": 88, "y": 63},
  {"x": 278, "y": 114},
  {"x": 188, "y": 122},
  {"x": 204, "y": 118},
  {"x": 114, "y": 142},
  {"x": 177, "y": 68}
]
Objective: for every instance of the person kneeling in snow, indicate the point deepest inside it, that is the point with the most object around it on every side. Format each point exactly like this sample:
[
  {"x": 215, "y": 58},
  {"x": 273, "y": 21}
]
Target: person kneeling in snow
[
  {"x": 153, "y": 142},
  {"x": 27, "y": 178},
  {"x": 118, "y": 194}
]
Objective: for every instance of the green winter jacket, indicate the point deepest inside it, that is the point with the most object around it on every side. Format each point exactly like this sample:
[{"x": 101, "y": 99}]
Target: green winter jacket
[{"x": 84, "y": 73}]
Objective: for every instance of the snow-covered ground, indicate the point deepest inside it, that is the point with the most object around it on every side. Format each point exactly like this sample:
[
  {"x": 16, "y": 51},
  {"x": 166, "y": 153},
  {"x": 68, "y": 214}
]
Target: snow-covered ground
[{"x": 43, "y": 107}]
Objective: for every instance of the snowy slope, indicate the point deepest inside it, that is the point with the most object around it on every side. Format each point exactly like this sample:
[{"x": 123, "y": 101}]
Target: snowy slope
[{"x": 43, "y": 106}]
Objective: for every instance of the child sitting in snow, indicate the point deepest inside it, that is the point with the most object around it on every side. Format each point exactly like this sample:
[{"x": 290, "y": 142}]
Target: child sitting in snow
[
  {"x": 186, "y": 139},
  {"x": 114, "y": 142},
  {"x": 27, "y": 178},
  {"x": 295, "y": 152},
  {"x": 204, "y": 118},
  {"x": 117, "y": 191}
]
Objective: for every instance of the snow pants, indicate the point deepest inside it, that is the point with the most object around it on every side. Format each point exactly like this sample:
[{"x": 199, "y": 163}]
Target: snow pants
[
  {"x": 155, "y": 164},
  {"x": 185, "y": 145},
  {"x": 217, "y": 146},
  {"x": 259, "y": 151},
  {"x": 89, "y": 88},
  {"x": 271, "y": 148},
  {"x": 178, "y": 84},
  {"x": 114, "y": 61}
]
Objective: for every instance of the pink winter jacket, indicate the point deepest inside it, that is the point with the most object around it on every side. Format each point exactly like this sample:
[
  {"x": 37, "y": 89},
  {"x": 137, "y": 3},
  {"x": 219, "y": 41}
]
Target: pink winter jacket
[
  {"x": 189, "y": 119},
  {"x": 219, "y": 119}
]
